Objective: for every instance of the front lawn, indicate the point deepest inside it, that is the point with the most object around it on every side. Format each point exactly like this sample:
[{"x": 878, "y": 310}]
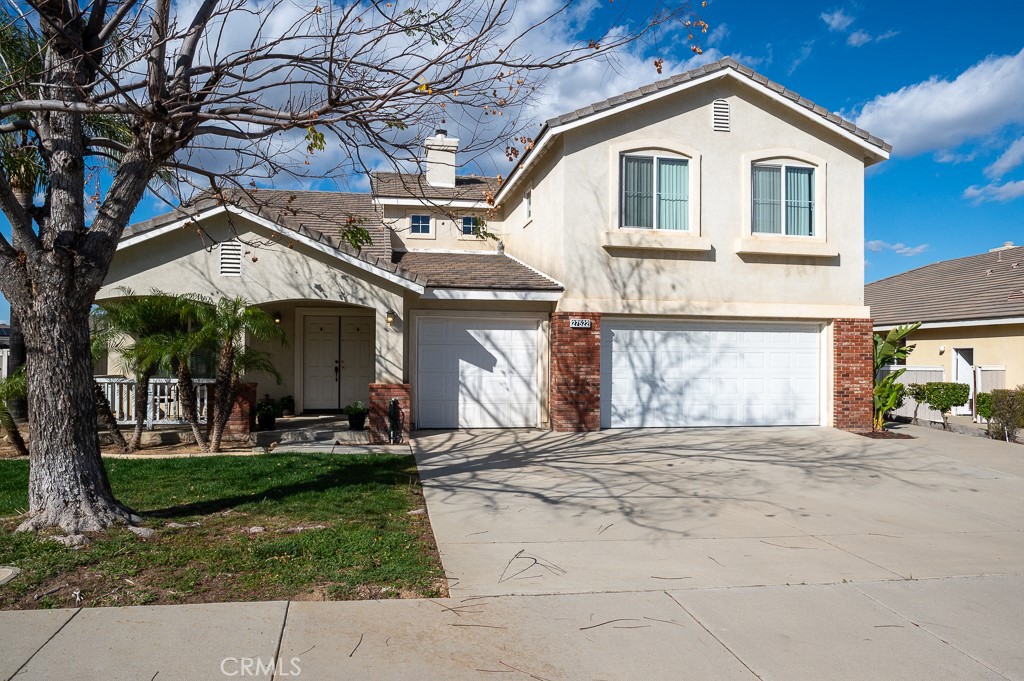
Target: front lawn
[{"x": 270, "y": 527}]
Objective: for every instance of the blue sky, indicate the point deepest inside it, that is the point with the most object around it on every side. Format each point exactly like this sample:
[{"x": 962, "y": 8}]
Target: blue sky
[{"x": 942, "y": 81}]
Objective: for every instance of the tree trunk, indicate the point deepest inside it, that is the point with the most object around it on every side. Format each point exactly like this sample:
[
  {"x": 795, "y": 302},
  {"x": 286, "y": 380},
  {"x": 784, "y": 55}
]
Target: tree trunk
[
  {"x": 187, "y": 395},
  {"x": 106, "y": 415},
  {"x": 225, "y": 392},
  {"x": 141, "y": 407},
  {"x": 68, "y": 485},
  {"x": 13, "y": 434}
]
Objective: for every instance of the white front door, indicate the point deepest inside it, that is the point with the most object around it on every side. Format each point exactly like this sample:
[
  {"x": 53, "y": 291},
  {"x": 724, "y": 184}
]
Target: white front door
[
  {"x": 963, "y": 372},
  {"x": 357, "y": 359},
  {"x": 677, "y": 374},
  {"x": 479, "y": 373},
  {"x": 321, "y": 364}
]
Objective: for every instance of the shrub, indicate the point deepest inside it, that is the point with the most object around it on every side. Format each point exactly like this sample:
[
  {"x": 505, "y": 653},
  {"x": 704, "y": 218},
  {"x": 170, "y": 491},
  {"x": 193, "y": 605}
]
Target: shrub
[
  {"x": 915, "y": 391},
  {"x": 888, "y": 395},
  {"x": 1007, "y": 413},
  {"x": 983, "y": 405},
  {"x": 944, "y": 396}
]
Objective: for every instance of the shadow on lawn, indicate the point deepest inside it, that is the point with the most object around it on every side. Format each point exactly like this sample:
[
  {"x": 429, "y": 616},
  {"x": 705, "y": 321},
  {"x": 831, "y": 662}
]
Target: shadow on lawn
[{"x": 327, "y": 486}]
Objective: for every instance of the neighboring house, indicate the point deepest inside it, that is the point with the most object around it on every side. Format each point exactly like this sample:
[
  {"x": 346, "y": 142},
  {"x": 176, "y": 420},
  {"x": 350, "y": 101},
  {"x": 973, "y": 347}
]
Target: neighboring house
[
  {"x": 972, "y": 311},
  {"x": 5, "y": 350},
  {"x": 686, "y": 254}
]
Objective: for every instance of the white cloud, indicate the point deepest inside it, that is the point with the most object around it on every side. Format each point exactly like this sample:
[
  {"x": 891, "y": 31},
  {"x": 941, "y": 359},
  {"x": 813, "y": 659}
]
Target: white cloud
[
  {"x": 837, "y": 20},
  {"x": 801, "y": 56},
  {"x": 862, "y": 37},
  {"x": 1010, "y": 159},
  {"x": 1001, "y": 193},
  {"x": 939, "y": 114},
  {"x": 877, "y": 246},
  {"x": 858, "y": 38}
]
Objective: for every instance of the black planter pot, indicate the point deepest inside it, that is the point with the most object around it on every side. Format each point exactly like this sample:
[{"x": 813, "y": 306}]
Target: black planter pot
[
  {"x": 357, "y": 421},
  {"x": 266, "y": 422}
]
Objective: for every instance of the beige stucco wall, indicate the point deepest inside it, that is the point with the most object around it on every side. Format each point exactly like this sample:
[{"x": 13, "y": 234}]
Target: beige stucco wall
[
  {"x": 275, "y": 276},
  {"x": 999, "y": 345},
  {"x": 446, "y": 223},
  {"x": 576, "y": 193}
]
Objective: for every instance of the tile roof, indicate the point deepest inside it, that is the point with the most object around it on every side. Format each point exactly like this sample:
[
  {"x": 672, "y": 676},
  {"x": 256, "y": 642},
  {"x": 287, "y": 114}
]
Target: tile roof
[
  {"x": 487, "y": 270},
  {"x": 412, "y": 185},
  {"x": 315, "y": 215},
  {"x": 986, "y": 286},
  {"x": 707, "y": 69}
]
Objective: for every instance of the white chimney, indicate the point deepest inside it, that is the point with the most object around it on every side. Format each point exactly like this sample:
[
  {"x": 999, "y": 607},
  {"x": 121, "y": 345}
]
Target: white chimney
[{"x": 440, "y": 157}]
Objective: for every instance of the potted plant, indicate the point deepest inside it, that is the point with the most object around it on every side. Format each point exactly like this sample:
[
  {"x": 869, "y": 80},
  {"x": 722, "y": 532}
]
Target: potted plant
[
  {"x": 267, "y": 411},
  {"x": 287, "y": 405},
  {"x": 356, "y": 413}
]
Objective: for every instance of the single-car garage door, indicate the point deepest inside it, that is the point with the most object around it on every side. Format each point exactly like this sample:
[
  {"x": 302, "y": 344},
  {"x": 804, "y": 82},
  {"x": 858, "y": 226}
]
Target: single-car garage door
[
  {"x": 479, "y": 373},
  {"x": 675, "y": 374}
]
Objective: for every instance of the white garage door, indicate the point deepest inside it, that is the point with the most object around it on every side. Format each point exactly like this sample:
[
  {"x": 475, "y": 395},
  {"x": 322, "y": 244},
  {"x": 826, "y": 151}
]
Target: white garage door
[
  {"x": 477, "y": 373},
  {"x": 682, "y": 374}
]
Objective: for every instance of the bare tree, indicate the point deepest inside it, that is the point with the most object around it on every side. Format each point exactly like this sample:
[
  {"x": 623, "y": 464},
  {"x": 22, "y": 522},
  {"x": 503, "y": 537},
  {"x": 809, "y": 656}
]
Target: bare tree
[{"x": 215, "y": 93}]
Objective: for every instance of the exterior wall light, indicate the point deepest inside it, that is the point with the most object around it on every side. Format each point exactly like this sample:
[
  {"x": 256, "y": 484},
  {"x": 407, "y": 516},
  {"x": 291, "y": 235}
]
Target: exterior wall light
[
  {"x": 390, "y": 316},
  {"x": 942, "y": 349},
  {"x": 277, "y": 317}
]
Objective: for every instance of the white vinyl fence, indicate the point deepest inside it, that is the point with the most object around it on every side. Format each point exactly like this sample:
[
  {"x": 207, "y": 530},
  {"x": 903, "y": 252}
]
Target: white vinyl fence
[
  {"x": 163, "y": 406},
  {"x": 916, "y": 374},
  {"x": 986, "y": 379}
]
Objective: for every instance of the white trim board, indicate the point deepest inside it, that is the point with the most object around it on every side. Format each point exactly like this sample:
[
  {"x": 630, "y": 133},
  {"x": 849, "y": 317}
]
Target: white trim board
[
  {"x": 436, "y": 203},
  {"x": 998, "y": 321},
  {"x": 727, "y": 72},
  {"x": 477, "y": 294}
]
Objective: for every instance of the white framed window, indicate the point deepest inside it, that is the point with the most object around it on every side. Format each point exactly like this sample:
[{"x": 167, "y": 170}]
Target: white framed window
[
  {"x": 528, "y": 203},
  {"x": 655, "y": 192},
  {"x": 782, "y": 199},
  {"x": 470, "y": 226},
  {"x": 231, "y": 258},
  {"x": 420, "y": 224}
]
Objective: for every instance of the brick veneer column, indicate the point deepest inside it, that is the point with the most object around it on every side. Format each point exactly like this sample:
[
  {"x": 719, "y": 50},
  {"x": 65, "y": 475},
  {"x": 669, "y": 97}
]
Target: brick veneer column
[
  {"x": 575, "y": 399},
  {"x": 381, "y": 395},
  {"x": 853, "y": 353},
  {"x": 242, "y": 419}
]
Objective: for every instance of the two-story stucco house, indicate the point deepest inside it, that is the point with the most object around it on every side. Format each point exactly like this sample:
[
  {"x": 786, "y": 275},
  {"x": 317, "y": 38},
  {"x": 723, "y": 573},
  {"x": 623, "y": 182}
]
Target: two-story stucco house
[{"x": 686, "y": 254}]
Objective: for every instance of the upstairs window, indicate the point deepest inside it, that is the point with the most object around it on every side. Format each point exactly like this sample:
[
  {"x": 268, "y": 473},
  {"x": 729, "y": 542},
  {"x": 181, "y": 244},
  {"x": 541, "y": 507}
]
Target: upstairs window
[
  {"x": 470, "y": 226},
  {"x": 231, "y": 258},
  {"x": 783, "y": 199},
  {"x": 528, "y": 202},
  {"x": 655, "y": 193},
  {"x": 419, "y": 224}
]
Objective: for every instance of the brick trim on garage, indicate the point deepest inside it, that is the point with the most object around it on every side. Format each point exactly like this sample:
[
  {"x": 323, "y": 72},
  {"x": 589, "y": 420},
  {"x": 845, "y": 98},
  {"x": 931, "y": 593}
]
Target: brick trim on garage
[
  {"x": 575, "y": 383},
  {"x": 852, "y": 380}
]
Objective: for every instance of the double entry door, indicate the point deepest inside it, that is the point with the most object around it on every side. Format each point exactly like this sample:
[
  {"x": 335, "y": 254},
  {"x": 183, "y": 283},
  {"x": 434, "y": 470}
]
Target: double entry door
[{"x": 338, "y": 362}]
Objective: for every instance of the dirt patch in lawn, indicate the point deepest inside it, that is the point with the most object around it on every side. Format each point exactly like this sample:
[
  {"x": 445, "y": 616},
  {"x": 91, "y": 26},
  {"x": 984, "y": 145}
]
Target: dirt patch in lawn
[{"x": 886, "y": 435}]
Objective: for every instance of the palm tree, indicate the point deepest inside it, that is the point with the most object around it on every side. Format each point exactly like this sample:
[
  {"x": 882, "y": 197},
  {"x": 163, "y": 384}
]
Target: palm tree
[
  {"x": 12, "y": 388},
  {"x": 129, "y": 326},
  {"x": 229, "y": 324}
]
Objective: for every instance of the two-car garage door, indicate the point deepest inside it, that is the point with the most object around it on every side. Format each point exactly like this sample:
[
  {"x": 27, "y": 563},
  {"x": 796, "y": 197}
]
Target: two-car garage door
[{"x": 674, "y": 374}]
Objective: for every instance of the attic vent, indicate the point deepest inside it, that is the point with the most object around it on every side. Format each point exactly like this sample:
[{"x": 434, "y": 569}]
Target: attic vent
[
  {"x": 720, "y": 115},
  {"x": 231, "y": 258}
]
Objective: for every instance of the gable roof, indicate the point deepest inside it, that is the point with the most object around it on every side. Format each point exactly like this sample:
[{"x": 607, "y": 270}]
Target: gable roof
[
  {"x": 985, "y": 286},
  {"x": 314, "y": 218},
  {"x": 415, "y": 185},
  {"x": 482, "y": 271},
  {"x": 722, "y": 67}
]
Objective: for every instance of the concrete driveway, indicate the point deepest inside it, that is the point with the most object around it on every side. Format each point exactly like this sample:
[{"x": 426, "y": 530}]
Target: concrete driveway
[
  {"x": 802, "y": 553},
  {"x": 536, "y": 512}
]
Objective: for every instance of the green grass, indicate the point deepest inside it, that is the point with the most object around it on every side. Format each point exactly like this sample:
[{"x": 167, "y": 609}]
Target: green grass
[{"x": 369, "y": 545}]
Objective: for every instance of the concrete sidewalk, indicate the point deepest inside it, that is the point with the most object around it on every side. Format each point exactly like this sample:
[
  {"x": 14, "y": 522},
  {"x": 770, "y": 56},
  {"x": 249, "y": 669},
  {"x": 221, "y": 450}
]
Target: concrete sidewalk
[{"x": 961, "y": 628}]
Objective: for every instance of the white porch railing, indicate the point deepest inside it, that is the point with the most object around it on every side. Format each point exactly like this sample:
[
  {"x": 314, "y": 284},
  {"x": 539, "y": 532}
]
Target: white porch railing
[{"x": 163, "y": 406}]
